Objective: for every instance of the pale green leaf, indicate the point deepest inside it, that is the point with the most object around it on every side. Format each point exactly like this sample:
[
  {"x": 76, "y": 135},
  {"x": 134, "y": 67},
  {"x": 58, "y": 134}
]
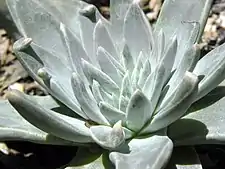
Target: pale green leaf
[
  {"x": 144, "y": 153},
  {"x": 139, "y": 111},
  {"x": 205, "y": 125},
  {"x": 211, "y": 69},
  {"x": 93, "y": 73},
  {"x": 63, "y": 126},
  {"x": 137, "y": 30},
  {"x": 108, "y": 137},
  {"x": 14, "y": 127},
  {"x": 177, "y": 104},
  {"x": 86, "y": 100},
  {"x": 103, "y": 39}
]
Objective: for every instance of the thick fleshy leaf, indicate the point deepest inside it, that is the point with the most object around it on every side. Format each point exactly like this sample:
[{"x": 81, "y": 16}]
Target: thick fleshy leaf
[
  {"x": 177, "y": 104},
  {"x": 92, "y": 73},
  {"x": 179, "y": 17},
  {"x": 11, "y": 6},
  {"x": 48, "y": 102},
  {"x": 123, "y": 102},
  {"x": 60, "y": 125},
  {"x": 59, "y": 69},
  {"x": 144, "y": 73},
  {"x": 139, "y": 111},
  {"x": 107, "y": 65},
  {"x": 152, "y": 152},
  {"x": 30, "y": 13},
  {"x": 107, "y": 137},
  {"x": 128, "y": 61},
  {"x": 154, "y": 84},
  {"x": 184, "y": 158},
  {"x": 118, "y": 11},
  {"x": 96, "y": 92},
  {"x": 115, "y": 62},
  {"x": 205, "y": 125},
  {"x": 33, "y": 64},
  {"x": 169, "y": 55},
  {"x": 136, "y": 71},
  {"x": 156, "y": 81},
  {"x": 67, "y": 13},
  {"x": 126, "y": 88},
  {"x": 111, "y": 113},
  {"x": 58, "y": 91},
  {"x": 179, "y": 11},
  {"x": 87, "y": 101},
  {"x": 187, "y": 63},
  {"x": 211, "y": 68},
  {"x": 160, "y": 41},
  {"x": 103, "y": 39},
  {"x": 137, "y": 30},
  {"x": 14, "y": 127},
  {"x": 74, "y": 49}
]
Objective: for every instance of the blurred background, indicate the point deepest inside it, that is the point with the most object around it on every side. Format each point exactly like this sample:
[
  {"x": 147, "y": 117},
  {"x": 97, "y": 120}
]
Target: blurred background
[{"x": 22, "y": 155}]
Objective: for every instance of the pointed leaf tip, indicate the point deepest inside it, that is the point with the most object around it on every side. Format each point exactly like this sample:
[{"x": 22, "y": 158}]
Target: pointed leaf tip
[
  {"x": 87, "y": 100},
  {"x": 88, "y": 10},
  {"x": 176, "y": 105},
  {"x": 43, "y": 74},
  {"x": 22, "y": 44},
  {"x": 139, "y": 111},
  {"x": 107, "y": 137},
  {"x": 117, "y": 125},
  {"x": 118, "y": 134}
]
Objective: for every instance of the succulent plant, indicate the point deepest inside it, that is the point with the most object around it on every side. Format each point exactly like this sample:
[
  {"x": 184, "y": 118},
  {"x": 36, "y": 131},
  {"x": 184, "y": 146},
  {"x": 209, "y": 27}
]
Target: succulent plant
[{"x": 125, "y": 93}]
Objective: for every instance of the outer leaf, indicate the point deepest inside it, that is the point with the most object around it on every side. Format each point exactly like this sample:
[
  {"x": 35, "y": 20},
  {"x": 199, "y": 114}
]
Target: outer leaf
[
  {"x": 179, "y": 17},
  {"x": 87, "y": 25},
  {"x": 59, "y": 70},
  {"x": 184, "y": 158},
  {"x": 211, "y": 68},
  {"x": 203, "y": 126},
  {"x": 178, "y": 11},
  {"x": 66, "y": 13},
  {"x": 32, "y": 63},
  {"x": 188, "y": 62},
  {"x": 156, "y": 81},
  {"x": 152, "y": 152},
  {"x": 14, "y": 127},
  {"x": 60, "y": 125},
  {"x": 30, "y": 13},
  {"x": 177, "y": 104}
]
